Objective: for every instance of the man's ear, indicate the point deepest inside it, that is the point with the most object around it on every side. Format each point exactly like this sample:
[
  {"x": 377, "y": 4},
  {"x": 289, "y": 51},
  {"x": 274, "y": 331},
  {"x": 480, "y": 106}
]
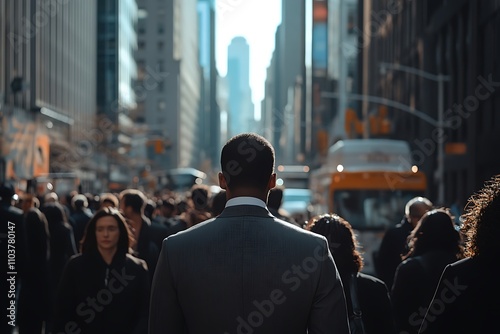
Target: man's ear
[
  {"x": 272, "y": 181},
  {"x": 222, "y": 181}
]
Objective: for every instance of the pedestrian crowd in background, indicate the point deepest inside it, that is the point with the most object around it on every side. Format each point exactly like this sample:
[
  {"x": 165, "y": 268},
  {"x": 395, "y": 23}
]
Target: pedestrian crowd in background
[{"x": 88, "y": 263}]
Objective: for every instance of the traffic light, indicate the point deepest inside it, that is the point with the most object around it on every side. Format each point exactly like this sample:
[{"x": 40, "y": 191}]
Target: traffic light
[{"x": 158, "y": 146}]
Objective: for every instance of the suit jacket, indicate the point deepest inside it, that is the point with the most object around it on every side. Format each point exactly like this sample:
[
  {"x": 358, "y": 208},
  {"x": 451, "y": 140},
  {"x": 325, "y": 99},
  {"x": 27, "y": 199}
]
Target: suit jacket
[{"x": 246, "y": 272}]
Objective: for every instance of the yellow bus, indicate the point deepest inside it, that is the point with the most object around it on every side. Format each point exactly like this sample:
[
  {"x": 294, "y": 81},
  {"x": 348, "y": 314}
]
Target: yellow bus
[{"x": 367, "y": 182}]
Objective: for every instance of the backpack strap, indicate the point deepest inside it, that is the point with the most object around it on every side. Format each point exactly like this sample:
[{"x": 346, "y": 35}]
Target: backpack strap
[{"x": 356, "y": 309}]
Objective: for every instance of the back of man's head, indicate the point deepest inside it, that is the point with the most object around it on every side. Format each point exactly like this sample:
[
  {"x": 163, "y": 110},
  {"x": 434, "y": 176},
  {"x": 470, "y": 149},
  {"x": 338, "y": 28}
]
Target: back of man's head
[
  {"x": 247, "y": 160},
  {"x": 416, "y": 207},
  {"x": 79, "y": 202},
  {"x": 200, "y": 195},
  {"x": 135, "y": 199}
]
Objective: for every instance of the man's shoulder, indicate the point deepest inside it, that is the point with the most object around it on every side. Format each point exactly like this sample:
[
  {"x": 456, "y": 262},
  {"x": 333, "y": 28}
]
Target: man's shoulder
[{"x": 269, "y": 224}]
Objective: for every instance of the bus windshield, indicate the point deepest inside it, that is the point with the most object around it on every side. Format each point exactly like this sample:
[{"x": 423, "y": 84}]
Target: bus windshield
[{"x": 371, "y": 209}]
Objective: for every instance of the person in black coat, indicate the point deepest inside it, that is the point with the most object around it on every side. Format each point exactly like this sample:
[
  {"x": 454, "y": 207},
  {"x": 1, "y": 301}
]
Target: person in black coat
[
  {"x": 394, "y": 242},
  {"x": 104, "y": 289},
  {"x": 12, "y": 246},
  {"x": 468, "y": 294},
  {"x": 147, "y": 236},
  {"x": 33, "y": 308},
  {"x": 373, "y": 295},
  {"x": 80, "y": 216},
  {"x": 434, "y": 243}
]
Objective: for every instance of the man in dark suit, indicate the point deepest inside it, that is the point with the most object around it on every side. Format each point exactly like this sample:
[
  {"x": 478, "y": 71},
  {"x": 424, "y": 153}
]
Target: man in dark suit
[{"x": 246, "y": 271}]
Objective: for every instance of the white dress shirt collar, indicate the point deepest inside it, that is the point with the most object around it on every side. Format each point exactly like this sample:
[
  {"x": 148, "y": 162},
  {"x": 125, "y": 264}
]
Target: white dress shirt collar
[{"x": 245, "y": 200}]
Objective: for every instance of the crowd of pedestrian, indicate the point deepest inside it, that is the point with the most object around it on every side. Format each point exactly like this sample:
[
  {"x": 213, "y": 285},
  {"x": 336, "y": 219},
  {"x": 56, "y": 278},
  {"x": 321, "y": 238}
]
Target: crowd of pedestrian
[{"x": 232, "y": 261}]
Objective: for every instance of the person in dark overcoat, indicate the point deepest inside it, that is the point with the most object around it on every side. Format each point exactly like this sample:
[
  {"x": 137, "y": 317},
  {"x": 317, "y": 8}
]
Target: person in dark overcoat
[
  {"x": 434, "y": 243},
  {"x": 104, "y": 289},
  {"x": 373, "y": 295}
]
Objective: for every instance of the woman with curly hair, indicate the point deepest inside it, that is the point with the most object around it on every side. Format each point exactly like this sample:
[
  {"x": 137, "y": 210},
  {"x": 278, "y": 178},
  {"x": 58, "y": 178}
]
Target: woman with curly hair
[
  {"x": 372, "y": 293},
  {"x": 467, "y": 299},
  {"x": 433, "y": 244}
]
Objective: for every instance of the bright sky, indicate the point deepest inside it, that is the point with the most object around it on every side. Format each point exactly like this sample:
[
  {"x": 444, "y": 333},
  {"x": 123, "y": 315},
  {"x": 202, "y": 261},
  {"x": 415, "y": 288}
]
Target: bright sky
[{"x": 256, "y": 20}]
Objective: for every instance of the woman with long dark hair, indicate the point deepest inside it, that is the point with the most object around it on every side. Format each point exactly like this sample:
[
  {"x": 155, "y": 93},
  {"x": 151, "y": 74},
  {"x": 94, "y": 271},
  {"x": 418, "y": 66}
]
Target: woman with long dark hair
[
  {"x": 104, "y": 289},
  {"x": 372, "y": 293},
  {"x": 433, "y": 244}
]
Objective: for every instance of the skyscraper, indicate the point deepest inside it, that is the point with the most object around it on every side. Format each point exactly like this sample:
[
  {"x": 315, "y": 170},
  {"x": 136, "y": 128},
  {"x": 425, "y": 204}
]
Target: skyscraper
[
  {"x": 209, "y": 126},
  {"x": 168, "y": 84},
  {"x": 241, "y": 109},
  {"x": 116, "y": 70}
]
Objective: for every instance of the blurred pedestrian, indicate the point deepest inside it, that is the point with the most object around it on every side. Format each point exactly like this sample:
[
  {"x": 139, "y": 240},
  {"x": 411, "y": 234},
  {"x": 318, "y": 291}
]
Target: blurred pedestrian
[
  {"x": 166, "y": 212},
  {"x": 245, "y": 270},
  {"x": 148, "y": 237},
  {"x": 80, "y": 217},
  {"x": 274, "y": 201},
  {"x": 433, "y": 244},
  {"x": 394, "y": 243},
  {"x": 466, "y": 299},
  {"x": 62, "y": 246},
  {"x": 33, "y": 303},
  {"x": 104, "y": 289},
  {"x": 372, "y": 293},
  {"x": 11, "y": 221},
  {"x": 218, "y": 203},
  {"x": 108, "y": 199},
  {"x": 198, "y": 208}
]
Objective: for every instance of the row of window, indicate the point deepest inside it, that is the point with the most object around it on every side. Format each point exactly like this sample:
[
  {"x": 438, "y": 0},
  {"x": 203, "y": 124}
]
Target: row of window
[{"x": 160, "y": 45}]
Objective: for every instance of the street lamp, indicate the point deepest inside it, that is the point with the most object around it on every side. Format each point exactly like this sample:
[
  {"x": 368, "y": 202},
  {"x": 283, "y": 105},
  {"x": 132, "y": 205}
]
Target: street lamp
[{"x": 440, "y": 79}]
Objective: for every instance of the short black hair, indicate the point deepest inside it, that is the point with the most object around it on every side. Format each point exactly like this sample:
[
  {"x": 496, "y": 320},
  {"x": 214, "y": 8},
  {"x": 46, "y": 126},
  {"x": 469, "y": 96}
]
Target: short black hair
[
  {"x": 199, "y": 196},
  {"x": 247, "y": 160}
]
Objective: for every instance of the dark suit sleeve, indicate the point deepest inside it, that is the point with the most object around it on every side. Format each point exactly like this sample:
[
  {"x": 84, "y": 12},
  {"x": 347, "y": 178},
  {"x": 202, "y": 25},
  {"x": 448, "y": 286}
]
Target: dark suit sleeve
[
  {"x": 328, "y": 312},
  {"x": 165, "y": 313}
]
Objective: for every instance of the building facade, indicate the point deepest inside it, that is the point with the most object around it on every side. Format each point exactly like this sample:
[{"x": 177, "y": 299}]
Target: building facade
[
  {"x": 48, "y": 100},
  {"x": 454, "y": 39},
  {"x": 116, "y": 72},
  {"x": 169, "y": 82},
  {"x": 284, "y": 110}
]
